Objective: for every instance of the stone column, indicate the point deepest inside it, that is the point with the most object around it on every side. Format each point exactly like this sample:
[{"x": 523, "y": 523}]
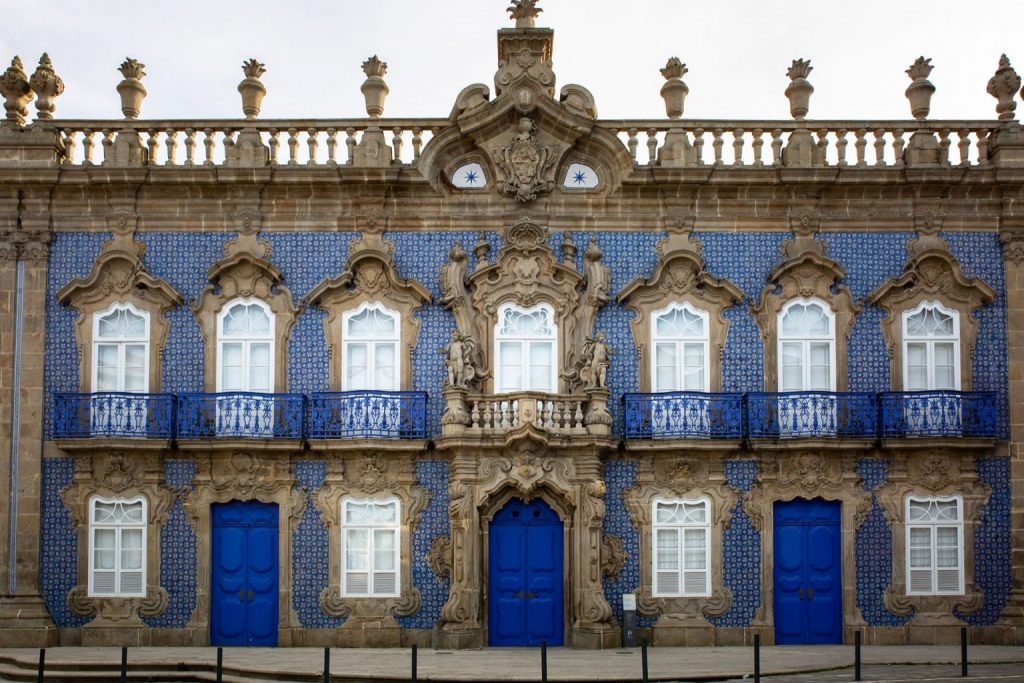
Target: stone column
[
  {"x": 24, "y": 619},
  {"x": 592, "y": 624}
]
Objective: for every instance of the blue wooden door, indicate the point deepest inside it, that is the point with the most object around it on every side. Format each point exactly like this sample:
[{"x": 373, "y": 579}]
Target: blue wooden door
[
  {"x": 243, "y": 588},
  {"x": 808, "y": 572},
  {"x": 525, "y": 598}
]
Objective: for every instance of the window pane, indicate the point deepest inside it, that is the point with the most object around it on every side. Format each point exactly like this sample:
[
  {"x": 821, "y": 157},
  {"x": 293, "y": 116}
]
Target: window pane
[
  {"x": 104, "y": 546},
  {"x": 667, "y": 549},
  {"x": 695, "y": 549},
  {"x": 356, "y": 549},
  {"x": 665, "y": 367},
  {"x": 540, "y": 366},
  {"x": 131, "y": 549},
  {"x": 666, "y": 513},
  {"x": 384, "y": 549},
  {"x": 259, "y": 321},
  {"x": 511, "y": 366},
  {"x": 259, "y": 367}
]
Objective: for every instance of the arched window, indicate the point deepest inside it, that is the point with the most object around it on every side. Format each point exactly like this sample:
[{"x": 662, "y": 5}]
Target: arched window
[
  {"x": 121, "y": 349},
  {"x": 370, "y": 342},
  {"x": 679, "y": 337},
  {"x": 807, "y": 347},
  {"x": 525, "y": 342},
  {"x": 682, "y": 547},
  {"x": 931, "y": 348},
  {"x": 935, "y": 546},
  {"x": 117, "y": 547},
  {"x": 245, "y": 347},
  {"x": 370, "y": 547}
]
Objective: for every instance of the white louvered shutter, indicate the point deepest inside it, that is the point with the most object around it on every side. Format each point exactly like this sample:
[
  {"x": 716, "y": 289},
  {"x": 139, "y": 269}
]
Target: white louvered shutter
[
  {"x": 695, "y": 570},
  {"x": 357, "y": 575},
  {"x": 947, "y": 560},
  {"x": 666, "y": 574}
]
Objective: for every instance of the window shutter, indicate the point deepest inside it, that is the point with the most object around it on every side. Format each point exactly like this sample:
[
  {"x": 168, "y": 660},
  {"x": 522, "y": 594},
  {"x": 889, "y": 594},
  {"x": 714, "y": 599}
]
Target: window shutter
[
  {"x": 666, "y": 563},
  {"x": 357, "y": 583},
  {"x": 104, "y": 583},
  {"x": 695, "y": 582},
  {"x": 920, "y": 580},
  {"x": 948, "y": 580},
  {"x": 131, "y": 583},
  {"x": 385, "y": 583}
]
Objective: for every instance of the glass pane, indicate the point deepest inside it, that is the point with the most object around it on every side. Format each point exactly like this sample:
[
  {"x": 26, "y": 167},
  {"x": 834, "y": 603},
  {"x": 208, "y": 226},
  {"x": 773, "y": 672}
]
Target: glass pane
[
  {"x": 540, "y": 366},
  {"x": 132, "y": 513},
  {"x": 259, "y": 321},
  {"x": 102, "y": 512},
  {"x": 106, "y": 356},
  {"x": 384, "y": 549},
  {"x": 665, "y": 379},
  {"x": 511, "y": 366},
  {"x": 666, "y": 513},
  {"x": 695, "y": 555},
  {"x": 696, "y": 513},
  {"x": 357, "y": 545},
  {"x": 259, "y": 367},
  {"x": 135, "y": 325},
  {"x": 131, "y": 549},
  {"x": 946, "y": 510},
  {"x": 667, "y": 549},
  {"x": 665, "y": 366}
]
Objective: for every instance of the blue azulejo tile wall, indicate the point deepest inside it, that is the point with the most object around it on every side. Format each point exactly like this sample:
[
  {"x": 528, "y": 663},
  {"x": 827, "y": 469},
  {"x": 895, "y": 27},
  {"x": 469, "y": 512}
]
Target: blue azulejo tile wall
[
  {"x": 741, "y": 551},
  {"x": 873, "y": 550},
  {"x": 177, "y": 550},
  {"x": 619, "y": 475},
  {"x": 58, "y": 544},
  {"x": 992, "y": 544},
  {"x": 433, "y": 476},
  {"x": 310, "y": 563}
]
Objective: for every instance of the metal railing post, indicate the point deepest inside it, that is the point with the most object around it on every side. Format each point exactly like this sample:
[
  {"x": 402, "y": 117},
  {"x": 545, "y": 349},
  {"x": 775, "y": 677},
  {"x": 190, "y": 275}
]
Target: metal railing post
[
  {"x": 220, "y": 664},
  {"x": 413, "y": 679},
  {"x": 963, "y": 652},
  {"x": 544, "y": 661},
  {"x": 757, "y": 658},
  {"x": 42, "y": 664},
  {"x": 856, "y": 655},
  {"x": 643, "y": 659},
  {"x": 327, "y": 665},
  {"x": 124, "y": 664}
]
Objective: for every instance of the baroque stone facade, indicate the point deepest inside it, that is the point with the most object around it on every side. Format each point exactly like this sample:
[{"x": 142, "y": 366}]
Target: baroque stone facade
[{"x": 707, "y": 352}]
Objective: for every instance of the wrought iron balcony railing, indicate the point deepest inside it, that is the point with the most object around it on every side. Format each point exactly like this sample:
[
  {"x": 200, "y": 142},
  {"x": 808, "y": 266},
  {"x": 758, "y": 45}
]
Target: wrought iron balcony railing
[
  {"x": 683, "y": 414},
  {"x": 241, "y": 415},
  {"x": 812, "y": 413},
  {"x": 368, "y": 414},
  {"x": 113, "y": 415},
  {"x": 938, "y": 413}
]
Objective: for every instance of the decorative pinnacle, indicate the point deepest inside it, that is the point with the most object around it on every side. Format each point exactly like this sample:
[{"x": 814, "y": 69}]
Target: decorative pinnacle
[
  {"x": 674, "y": 69},
  {"x": 253, "y": 68},
  {"x": 16, "y": 91},
  {"x": 48, "y": 85},
  {"x": 801, "y": 68},
  {"x": 132, "y": 68},
  {"x": 921, "y": 68},
  {"x": 1003, "y": 86},
  {"x": 374, "y": 67},
  {"x": 524, "y": 12}
]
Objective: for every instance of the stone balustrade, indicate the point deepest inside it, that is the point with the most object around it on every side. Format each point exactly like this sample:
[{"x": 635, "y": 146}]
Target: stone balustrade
[{"x": 495, "y": 415}]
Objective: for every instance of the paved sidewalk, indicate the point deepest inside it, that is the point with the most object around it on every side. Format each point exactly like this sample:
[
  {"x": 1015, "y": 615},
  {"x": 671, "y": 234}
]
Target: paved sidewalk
[{"x": 502, "y": 664}]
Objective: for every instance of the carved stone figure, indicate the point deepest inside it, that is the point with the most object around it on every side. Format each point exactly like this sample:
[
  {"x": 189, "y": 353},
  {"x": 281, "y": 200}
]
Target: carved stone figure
[
  {"x": 525, "y": 163},
  {"x": 459, "y": 355}
]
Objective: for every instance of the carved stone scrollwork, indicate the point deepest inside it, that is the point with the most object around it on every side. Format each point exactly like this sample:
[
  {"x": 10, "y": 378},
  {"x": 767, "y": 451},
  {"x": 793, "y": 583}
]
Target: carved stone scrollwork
[
  {"x": 439, "y": 559},
  {"x": 680, "y": 277},
  {"x": 613, "y": 556},
  {"x": 1013, "y": 245},
  {"x": 806, "y": 272},
  {"x": 370, "y": 276},
  {"x": 931, "y": 273},
  {"x": 526, "y": 163}
]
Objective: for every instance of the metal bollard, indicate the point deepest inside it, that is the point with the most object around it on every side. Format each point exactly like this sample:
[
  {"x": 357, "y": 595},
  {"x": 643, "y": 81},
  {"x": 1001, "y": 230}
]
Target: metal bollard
[
  {"x": 544, "y": 661},
  {"x": 963, "y": 652},
  {"x": 327, "y": 665},
  {"x": 124, "y": 664},
  {"x": 220, "y": 664},
  {"x": 757, "y": 658},
  {"x": 643, "y": 659},
  {"x": 856, "y": 655},
  {"x": 42, "y": 664},
  {"x": 413, "y": 664}
]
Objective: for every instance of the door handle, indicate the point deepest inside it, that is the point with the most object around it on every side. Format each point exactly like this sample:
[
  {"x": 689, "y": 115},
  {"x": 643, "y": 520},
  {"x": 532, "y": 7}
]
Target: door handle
[
  {"x": 241, "y": 596},
  {"x": 520, "y": 595},
  {"x": 801, "y": 593},
  {"x": 810, "y": 593},
  {"x": 250, "y": 595}
]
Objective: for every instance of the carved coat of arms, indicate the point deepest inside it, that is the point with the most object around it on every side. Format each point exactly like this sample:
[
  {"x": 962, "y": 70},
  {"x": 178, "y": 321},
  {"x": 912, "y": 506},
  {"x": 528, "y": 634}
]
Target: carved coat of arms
[{"x": 525, "y": 163}]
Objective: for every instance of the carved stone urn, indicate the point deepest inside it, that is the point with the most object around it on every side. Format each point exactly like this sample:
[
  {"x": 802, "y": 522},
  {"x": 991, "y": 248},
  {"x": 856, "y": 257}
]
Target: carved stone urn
[
  {"x": 374, "y": 88},
  {"x": 1003, "y": 86},
  {"x": 799, "y": 90},
  {"x": 48, "y": 86},
  {"x": 920, "y": 91},
  {"x": 675, "y": 90},
  {"x": 252, "y": 89},
  {"x": 14, "y": 86},
  {"x": 131, "y": 90}
]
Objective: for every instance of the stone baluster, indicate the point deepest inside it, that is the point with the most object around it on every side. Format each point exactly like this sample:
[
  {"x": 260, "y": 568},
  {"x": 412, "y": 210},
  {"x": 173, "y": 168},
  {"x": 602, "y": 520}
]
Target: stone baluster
[
  {"x": 474, "y": 416},
  {"x": 107, "y": 142},
  {"x": 208, "y": 142},
  {"x": 47, "y": 86},
  {"x": 578, "y": 415},
  {"x": 777, "y": 147},
  {"x": 652, "y": 146},
  {"x": 190, "y": 147},
  {"x": 153, "y": 145},
  {"x": 861, "y": 145},
  {"x": 17, "y": 92},
  {"x": 737, "y": 146},
  {"x": 70, "y": 145},
  {"x": 87, "y": 147},
  {"x": 312, "y": 144},
  {"x": 944, "y": 143},
  {"x": 396, "y": 143},
  {"x": 487, "y": 414},
  {"x": 632, "y": 143},
  {"x": 964, "y": 146},
  {"x": 350, "y": 144},
  {"x": 716, "y": 144},
  {"x": 897, "y": 147},
  {"x": 841, "y": 145},
  {"x": 821, "y": 149},
  {"x": 758, "y": 146},
  {"x": 293, "y": 146},
  {"x": 879, "y": 136},
  {"x": 274, "y": 143},
  {"x": 417, "y": 142},
  {"x": 983, "y": 139},
  {"x": 698, "y": 146},
  {"x": 171, "y": 136},
  {"x": 332, "y": 146}
]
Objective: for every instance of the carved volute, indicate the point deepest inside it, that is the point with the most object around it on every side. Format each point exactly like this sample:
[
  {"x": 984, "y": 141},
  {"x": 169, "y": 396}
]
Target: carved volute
[
  {"x": 806, "y": 272},
  {"x": 525, "y": 273},
  {"x": 680, "y": 277},
  {"x": 118, "y": 276},
  {"x": 931, "y": 274},
  {"x": 370, "y": 276}
]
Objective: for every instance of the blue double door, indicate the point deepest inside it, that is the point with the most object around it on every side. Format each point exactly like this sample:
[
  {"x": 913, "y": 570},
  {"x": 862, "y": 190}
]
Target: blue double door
[
  {"x": 244, "y": 585},
  {"x": 525, "y": 591},
  {"x": 808, "y": 584}
]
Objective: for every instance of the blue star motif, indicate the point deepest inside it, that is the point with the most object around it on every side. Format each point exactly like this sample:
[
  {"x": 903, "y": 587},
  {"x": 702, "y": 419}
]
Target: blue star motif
[
  {"x": 580, "y": 177},
  {"x": 471, "y": 177}
]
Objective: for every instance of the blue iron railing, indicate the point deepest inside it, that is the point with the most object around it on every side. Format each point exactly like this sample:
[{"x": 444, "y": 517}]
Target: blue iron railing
[
  {"x": 241, "y": 415},
  {"x": 683, "y": 414},
  {"x": 811, "y": 413},
  {"x": 939, "y": 413},
  {"x": 113, "y": 414},
  {"x": 368, "y": 414}
]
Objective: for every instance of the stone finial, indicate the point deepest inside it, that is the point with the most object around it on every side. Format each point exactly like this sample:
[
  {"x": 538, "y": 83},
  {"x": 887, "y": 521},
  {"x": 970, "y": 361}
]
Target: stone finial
[
  {"x": 48, "y": 86},
  {"x": 921, "y": 89},
  {"x": 17, "y": 92},
  {"x": 799, "y": 90},
  {"x": 1003, "y": 86},
  {"x": 524, "y": 12},
  {"x": 131, "y": 90},
  {"x": 252, "y": 89},
  {"x": 374, "y": 88},
  {"x": 674, "y": 91}
]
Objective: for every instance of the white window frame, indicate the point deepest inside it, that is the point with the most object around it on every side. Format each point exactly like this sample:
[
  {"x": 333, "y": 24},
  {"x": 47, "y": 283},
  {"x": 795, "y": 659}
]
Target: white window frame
[
  {"x": 806, "y": 342},
  {"x": 119, "y": 529},
  {"x": 501, "y": 386},
  {"x": 121, "y": 343},
  {"x": 396, "y": 527},
  {"x": 372, "y": 346},
  {"x": 681, "y": 558},
  {"x": 933, "y": 526},
  {"x": 680, "y": 342},
  {"x": 930, "y": 342},
  {"x": 247, "y": 343}
]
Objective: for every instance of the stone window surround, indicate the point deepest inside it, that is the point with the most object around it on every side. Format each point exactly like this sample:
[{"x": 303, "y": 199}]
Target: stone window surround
[
  {"x": 355, "y": 497},
  {"x": 343, "y": 357},
  {"x": 221, "y": 338},
  {"x": 96, "y": 341},
  {"x": 904, "y": 318},
  {"x": 780, "y": 339},
  {"x": 959, "y": 524},
  {"x": 709, "y": 540},
  {"x": 526, "y": 341},
  {"x": 93, "y": 500}
]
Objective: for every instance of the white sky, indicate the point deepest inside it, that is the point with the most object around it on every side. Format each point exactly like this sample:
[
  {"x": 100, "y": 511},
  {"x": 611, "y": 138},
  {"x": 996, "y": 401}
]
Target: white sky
[{"x": 737, "y": 52}]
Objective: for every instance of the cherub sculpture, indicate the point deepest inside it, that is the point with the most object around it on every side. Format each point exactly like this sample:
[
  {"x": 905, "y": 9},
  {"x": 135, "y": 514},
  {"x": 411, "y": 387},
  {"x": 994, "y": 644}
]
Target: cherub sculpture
[{"x": 459, "y": 361}]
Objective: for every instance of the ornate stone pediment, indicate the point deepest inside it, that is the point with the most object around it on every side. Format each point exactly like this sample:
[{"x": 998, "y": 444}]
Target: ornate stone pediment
[
  {"x": 370, "y": 276},
  {"x": 931, "y": 273},
  {"x": 806, "y": 272},
  {"x": 680, "y": 277}
]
